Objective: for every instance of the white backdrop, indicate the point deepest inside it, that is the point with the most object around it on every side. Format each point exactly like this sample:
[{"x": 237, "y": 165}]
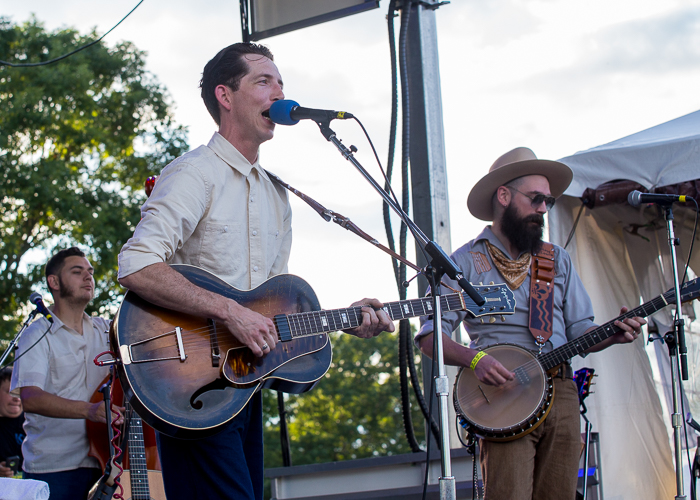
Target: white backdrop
[{"x": 622, "y": 256}]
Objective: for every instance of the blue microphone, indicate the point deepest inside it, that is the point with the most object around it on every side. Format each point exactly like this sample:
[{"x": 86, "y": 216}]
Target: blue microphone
[
  {"x": 288, "y": 112},
  {"x": 35, "y": 299}
]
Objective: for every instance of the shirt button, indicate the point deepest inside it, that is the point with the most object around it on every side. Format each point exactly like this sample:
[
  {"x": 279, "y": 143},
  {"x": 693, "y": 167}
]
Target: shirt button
[
  {"x": 255, "y": 233},
  {"x": 225, "y": 229},
  {"x": 251, "y": 200},
  {"x": 255, "y": 268}
]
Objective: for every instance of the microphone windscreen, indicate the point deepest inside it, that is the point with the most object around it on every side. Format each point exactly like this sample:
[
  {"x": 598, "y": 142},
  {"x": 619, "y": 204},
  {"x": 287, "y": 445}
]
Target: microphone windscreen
[
  {"x": 280, "y": 112},
  {"x": 34, "y": 297},
  {"x": 634, "y": 198}
]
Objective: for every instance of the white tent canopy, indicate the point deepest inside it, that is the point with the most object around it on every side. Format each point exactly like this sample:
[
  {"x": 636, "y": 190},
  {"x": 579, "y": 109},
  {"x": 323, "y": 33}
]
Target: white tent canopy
[
  {"x": 659, "y": 156},
  {"x": 622, "y": 254}
]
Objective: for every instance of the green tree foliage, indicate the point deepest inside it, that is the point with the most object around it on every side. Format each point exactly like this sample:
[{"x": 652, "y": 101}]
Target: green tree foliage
[
  {"x": 354, "y": 412},
  {"x": 77, "y": 140}
]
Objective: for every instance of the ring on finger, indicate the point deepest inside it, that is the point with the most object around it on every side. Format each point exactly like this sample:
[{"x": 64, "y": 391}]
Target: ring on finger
[{"x": 264, "y": 346}]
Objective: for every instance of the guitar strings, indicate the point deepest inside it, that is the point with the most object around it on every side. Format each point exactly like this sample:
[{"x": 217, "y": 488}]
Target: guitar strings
[{"x": 475, "y": 399}]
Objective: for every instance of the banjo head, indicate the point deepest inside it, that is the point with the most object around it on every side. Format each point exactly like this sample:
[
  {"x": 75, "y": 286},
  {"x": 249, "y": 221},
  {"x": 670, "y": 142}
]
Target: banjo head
[{"x": 504, "y": 412}]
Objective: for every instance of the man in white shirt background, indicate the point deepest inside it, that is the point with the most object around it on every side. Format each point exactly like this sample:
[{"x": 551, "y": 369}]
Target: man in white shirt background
[{"x": 56, "y": 376}]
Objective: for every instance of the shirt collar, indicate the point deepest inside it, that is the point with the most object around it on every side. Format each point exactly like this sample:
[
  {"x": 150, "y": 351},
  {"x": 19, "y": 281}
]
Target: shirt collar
[
  {"x": 228, "y": 153},
  {"x": 58, "y": 324}
]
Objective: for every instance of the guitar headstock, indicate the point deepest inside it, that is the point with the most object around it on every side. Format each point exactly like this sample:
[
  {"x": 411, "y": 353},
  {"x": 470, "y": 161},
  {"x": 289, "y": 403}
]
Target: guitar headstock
[
  {"x": 690, "y": 290},
  {"x": 584, "y": 379},
  {"x": 499, "y": 301}
]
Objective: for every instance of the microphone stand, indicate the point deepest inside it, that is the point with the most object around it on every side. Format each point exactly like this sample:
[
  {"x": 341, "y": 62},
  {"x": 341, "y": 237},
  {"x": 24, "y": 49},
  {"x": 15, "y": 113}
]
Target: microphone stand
[
  {"x": 13, "y": 344},
  {"x": 439, "y": 265},
  {"x": 675, "y": 341}
]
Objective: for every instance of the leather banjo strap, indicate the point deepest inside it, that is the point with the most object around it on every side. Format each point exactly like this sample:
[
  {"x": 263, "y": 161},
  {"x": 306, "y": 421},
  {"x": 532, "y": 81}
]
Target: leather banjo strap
[{"x": 542, "y": 293}]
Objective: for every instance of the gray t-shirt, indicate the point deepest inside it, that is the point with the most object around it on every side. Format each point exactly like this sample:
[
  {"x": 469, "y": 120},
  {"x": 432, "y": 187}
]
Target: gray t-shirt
[{"x": 572, "y": 315}]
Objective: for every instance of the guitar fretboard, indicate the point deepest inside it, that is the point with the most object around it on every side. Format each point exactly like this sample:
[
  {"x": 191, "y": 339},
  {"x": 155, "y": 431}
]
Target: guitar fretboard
[
  {"x": 594, "y": 337},
  {"x": 313, "y": 322},
  {"x": 138, "y": 468}
]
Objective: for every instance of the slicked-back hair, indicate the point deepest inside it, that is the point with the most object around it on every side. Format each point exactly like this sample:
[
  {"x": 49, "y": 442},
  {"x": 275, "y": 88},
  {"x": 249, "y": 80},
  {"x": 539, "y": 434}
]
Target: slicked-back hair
[
  {"x": 227, "y": 68},
  {"x": 55, "y": 263}
]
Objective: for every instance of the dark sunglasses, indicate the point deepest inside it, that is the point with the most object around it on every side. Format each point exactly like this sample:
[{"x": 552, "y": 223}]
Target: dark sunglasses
[{"x": 538, "y": 199}]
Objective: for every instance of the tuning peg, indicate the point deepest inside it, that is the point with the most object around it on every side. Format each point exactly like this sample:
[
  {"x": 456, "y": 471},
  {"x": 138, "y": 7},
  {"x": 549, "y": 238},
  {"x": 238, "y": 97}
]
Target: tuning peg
[
  {"x": 503, "y": 318},
  {"x": 481, "y": 283},
  {"x": 482, "y": 320},
  {"x": 492, "y": 319},
  {"x": 491, "y": 283}
]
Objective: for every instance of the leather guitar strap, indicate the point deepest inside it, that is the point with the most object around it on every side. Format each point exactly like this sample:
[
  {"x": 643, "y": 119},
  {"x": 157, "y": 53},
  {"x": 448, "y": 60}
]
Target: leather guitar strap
[{"x": 542, "y": 294}]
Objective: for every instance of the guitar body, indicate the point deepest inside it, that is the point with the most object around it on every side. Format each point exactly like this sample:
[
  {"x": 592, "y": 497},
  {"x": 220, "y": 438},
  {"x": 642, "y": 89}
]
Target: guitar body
[
  {"x": 155, "y": 482},
  {"x": 509, "y": 411},
  {"x": 173, "y": 382}
]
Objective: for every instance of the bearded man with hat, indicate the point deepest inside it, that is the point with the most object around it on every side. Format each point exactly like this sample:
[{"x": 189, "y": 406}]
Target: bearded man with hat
[{"x": 515, "y": 195}]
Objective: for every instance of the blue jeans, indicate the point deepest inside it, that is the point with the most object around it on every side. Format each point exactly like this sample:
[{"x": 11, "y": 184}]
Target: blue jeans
[
  {"x": 225, "y": 466},
  {"x": 68, "y": 485}
]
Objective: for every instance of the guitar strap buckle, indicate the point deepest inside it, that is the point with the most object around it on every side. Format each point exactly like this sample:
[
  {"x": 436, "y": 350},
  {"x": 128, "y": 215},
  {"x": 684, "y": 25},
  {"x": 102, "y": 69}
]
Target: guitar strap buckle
[{"x": 540, "y": 341}]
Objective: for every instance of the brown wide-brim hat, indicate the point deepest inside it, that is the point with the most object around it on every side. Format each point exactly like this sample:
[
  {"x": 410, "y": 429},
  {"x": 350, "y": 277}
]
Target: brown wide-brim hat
[{"x": 516, "y": 163}]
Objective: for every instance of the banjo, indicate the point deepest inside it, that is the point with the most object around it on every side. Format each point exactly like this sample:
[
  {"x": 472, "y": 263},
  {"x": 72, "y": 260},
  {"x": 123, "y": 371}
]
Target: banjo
[{"x": 516, "y": 408}]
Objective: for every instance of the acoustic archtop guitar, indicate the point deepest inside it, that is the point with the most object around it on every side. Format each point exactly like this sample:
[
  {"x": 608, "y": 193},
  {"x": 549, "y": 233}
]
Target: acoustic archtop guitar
[{"x": 186, "y": 376}]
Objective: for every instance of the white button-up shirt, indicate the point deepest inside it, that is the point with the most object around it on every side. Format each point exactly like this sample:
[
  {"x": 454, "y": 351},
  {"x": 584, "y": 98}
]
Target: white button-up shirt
[
  {"x": 62, "y": 364},
  {"x": 211, "y": 208}
]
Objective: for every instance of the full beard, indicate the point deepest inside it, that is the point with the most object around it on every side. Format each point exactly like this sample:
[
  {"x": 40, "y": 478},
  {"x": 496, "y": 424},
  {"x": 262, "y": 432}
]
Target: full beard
[{"x": 524, "y": 233}]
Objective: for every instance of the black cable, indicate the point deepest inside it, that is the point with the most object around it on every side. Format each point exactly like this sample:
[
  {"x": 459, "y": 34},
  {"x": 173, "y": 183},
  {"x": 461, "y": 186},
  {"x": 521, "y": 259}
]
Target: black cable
[
  {"x": 692, "y": 242},
  {"x": 419, "y": 393},
  {"x": 405, "y": 338},
  {"x": 28, "y": 65},
  {"x": 573, "y": 229},
  {"x": 392, "y": 137}
]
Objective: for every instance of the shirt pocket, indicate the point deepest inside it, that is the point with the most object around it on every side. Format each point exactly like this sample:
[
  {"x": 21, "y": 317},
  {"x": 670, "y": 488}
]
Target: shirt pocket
[{"x": 223, "y": 249}]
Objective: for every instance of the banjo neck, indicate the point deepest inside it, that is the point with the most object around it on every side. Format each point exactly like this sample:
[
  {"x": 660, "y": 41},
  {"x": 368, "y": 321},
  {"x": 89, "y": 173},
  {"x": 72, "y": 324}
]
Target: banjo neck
[{"x": 581, "y": 344}]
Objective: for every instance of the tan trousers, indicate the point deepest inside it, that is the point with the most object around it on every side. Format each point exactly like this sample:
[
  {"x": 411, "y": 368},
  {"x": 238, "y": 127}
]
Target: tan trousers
[{"x": 542, "y": 465}]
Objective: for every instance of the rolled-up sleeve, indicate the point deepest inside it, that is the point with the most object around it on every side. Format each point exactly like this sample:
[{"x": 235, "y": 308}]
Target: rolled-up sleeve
[
  {"x": 577, "y": 305},
  {"x": 168, "y": 218},
  {"x": 32, "y": 369}
]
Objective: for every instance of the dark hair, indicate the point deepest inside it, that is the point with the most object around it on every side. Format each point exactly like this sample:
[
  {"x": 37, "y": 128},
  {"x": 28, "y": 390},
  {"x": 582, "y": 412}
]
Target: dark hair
[
  {"x": 55, "y": 263},
  {"x": 5, "y": 374},
  {"x": 227, "y": 68}
]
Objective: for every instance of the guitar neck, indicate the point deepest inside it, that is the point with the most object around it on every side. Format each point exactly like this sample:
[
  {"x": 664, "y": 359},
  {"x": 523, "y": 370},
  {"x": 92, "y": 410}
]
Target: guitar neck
[
  {"x": 138, "y": 468},
  {"x": 331, "y": 320},
  {"x": 594, "y": 337}
]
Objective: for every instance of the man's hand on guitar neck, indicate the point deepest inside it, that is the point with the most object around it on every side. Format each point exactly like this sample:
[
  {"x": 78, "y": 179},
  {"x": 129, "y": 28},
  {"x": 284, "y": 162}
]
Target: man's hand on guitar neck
[
  {"x": 630, "y": 328},
  {"x": 374, "y": 320}
]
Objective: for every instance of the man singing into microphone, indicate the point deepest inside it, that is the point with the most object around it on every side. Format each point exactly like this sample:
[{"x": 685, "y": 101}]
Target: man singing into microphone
[
  {"x": 55, "y": 376},
  {"x": 216, "y": 208}
]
